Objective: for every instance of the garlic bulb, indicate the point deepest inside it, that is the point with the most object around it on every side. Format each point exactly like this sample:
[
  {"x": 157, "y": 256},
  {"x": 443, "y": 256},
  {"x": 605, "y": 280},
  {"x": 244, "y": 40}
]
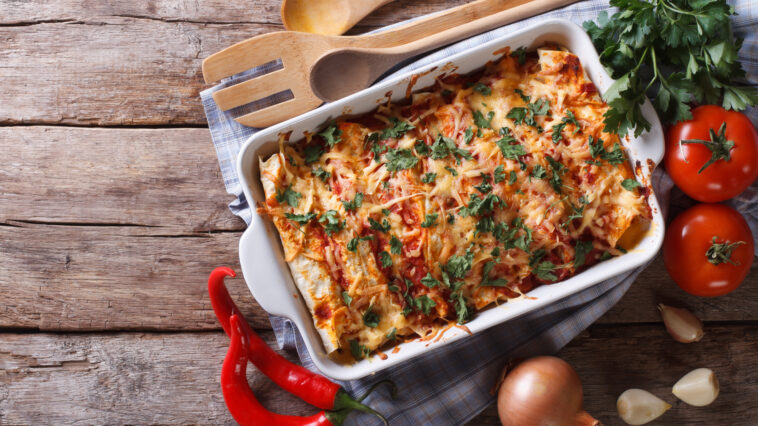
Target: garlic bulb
[
  {"x": 681, "y": 324},
  {"x": 698, "y": 387},
  {"x": 637, "y": 406}
]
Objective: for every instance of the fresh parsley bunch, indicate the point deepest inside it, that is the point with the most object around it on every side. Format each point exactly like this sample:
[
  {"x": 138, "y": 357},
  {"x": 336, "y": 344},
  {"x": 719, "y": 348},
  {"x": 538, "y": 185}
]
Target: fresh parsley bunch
[{"x": 676, "y": 51}]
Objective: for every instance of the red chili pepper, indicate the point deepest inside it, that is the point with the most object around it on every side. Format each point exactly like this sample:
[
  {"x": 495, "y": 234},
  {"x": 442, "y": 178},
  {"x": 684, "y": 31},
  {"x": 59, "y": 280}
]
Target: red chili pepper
[{"x": 305, "y": 384}]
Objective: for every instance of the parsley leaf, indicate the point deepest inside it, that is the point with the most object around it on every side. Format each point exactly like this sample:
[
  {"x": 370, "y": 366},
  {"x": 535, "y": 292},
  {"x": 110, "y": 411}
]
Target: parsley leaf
[
  {"x": 312, "y": 153},
  {"x": 484, "y": 187},
  {"x": 468, "y": 135},
  {"x": 630, "y": 184},
  {"x": 430, "y": 281},
  {"x": 538, "y": 172},
  {"x": 331, "y": 222},
  {"x": 371, "y": 318},
  {"x": 451, "y": 170},
  {"x": 486, "y": 281},
  {"x": 458, "y": 266},
  {"x": 499, "y": 173},
  {"x": 289, "y": 196},
  {"x": 357, "y": 350},
  {"x": 430, "y": 220},
  {"x": 509, "y": 146},
  {"x": 478, "y": 206},
  {"x": 544, "y": 271},
  {"x": 400, "y": 159},
  {"x": 321, "y": 174},
  {"x": 391, "y": 334},
  {"x": 481, "y": 122},
  {"x": 376, "y": 226},
  {"x": 429, "y": 177},
  {"x": 526, "y": 115},
  {"x": 355, "y": 204},
  {"x": 558, "y": 128},
  {"x": 424, "y": 304},
  {"x": 444, "y": 146},
  {"x": 581, "y": 250},
  {"x": 511, "y": 177},
  {"x": 385, "y": 259},
  {"x": 462, "y": 311},
  {"x": 352, "y": 245},
  {"x": 483, "y": 89},
  {"x": 555, "y": 176},
  {"x": 421, "y": 148},
  {"x": 520, "y": 55},
  {"x": 331, "y": 135},
  {"x": 300, "y": 218},
  {"x": 397, "y": 129},
  {"x": 396, "y": 246},
  {"x": 346, "y": 297}
]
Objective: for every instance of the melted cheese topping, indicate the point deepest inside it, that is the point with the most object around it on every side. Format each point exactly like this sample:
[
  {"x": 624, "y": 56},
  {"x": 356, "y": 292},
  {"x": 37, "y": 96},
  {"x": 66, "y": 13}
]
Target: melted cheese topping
[{"x": 507, "y": 173}]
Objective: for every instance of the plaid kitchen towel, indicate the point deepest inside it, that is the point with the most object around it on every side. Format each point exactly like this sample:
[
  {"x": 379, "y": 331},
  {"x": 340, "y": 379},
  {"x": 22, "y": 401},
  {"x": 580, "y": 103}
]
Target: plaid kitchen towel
[{"x": 451, "y": 385}]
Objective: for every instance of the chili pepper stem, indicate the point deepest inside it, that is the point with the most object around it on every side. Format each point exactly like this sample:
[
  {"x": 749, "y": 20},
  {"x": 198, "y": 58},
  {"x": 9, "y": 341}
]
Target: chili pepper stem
[{"x": 344, "y": 404}]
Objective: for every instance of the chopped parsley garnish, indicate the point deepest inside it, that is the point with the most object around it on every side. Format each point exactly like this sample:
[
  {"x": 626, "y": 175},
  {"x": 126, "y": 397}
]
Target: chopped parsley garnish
[
  {"x": 321, "y": 174},
  {"x": 526, "y": 115},
  {"x": 450, "y": 218},
  {"x": 291, "y": 160},
  {"x": 509, "y": 146},
  {"x": 597, "y": 150},
  {"x": 312, "y": 153},
  {"x": 458, "y": 266},
  {"x": 576, "y": 212},
  {"x": 429, "y": 220},
  {"x": 385, "y": 259},
  {"x": 346, "y": 297},
  {"x": 430, "y": 281},
  {"x": 499, "y": 173},
  {"x": 371, "y": 318},
  {"x": 538, "y": 172},
  {"x": 581, "y": 250},
  {"x": 524, "y": 97},
  {"x": 422, "y": 148},
  {"x": 483, "y": 89},
  {"x": 614, "y": 156},
  {"x": 511, "y": 238},
  {"x": 331, "y": 135},
  {"x": 429, "y": 177},
  {"x": 289, "y": 196},
  {"x": 381, "y": 227},
  {"x": 544, "y": 271},
  {"x": 468, "y": 136},
  {"x": 481, "y": 122},
  {"x": 300, "y": 218},
  {"x": 520, "y": 55},
  {"x": 357, "y": 350},
  {"x": 484, "y": 225},
  {"x": 511, "y": 177},
  {"x": 352, "y": 245},
  {"x": 495, "y": 252},
  {"x": 444, "y": 146},
  {"x": 451, "y": 170},
  {"x": 424, "y": 304},
  {"x": 396, "y": 246},
  {"x": 558, "y": 128},
  {"x": 555, "y": 176},
  {"x": 397, "y": 129},
  {"x": 478, "y": 206},
  {"x": 605, "y": 256},
  {"x": 331, "y": 222},
  {"x": 485, "y": 186},
  {"x": 355, "y": 204},
  {"x": 462, "y": 311},
  {"x": 400, "y": 159},
  {"x": 393, "y": 287},
  {"x": 391, "y": 334},
  {"x": 630, "y": 184},
  {"x": 486, "y": 281}
]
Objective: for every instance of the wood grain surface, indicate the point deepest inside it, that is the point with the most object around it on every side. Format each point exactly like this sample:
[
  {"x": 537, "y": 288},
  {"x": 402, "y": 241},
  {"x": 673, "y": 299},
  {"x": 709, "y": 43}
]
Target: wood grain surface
[{"x": 112, "y": 212}]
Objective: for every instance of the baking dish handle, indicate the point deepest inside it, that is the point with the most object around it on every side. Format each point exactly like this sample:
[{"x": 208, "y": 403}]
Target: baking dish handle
[{"x": 262, "y": 268}]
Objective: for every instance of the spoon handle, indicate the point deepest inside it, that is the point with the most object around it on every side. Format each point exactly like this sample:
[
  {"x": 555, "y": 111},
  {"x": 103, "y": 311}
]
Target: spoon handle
[{"x": 435, "y": 24}]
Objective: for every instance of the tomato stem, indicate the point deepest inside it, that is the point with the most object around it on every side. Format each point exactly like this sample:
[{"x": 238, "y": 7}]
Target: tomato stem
[
  {"x": 719, "y": 253},
  {"x": 719, "y": 146}
]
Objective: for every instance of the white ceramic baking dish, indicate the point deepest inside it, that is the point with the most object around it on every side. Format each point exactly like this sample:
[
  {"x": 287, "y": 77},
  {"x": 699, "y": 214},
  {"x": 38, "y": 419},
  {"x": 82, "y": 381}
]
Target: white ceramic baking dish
[{"x": 261, "y": 255}]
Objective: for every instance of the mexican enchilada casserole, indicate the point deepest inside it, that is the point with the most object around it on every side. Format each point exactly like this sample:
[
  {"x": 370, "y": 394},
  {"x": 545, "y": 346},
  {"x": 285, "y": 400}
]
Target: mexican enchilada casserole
[{"x": 398, "y": 223}]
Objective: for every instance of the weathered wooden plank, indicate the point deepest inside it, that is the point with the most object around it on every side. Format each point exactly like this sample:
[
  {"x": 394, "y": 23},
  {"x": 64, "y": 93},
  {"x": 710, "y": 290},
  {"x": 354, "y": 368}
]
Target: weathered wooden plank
[
  {"x": 124, "y": 64},
  {"x": 113, "y": 278},
  {"x": 173, "y": 378},
  {"x": 167, "y": 179},
  {"x": 610, "y": 360},
  {"x": 654, "y": 286},
  {"x": 201, "y": 11}
]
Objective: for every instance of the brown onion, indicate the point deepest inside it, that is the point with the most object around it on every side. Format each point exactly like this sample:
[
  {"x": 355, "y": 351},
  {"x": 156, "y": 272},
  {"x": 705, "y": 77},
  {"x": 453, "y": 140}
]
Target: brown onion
[{"x": 542, "y": 391}]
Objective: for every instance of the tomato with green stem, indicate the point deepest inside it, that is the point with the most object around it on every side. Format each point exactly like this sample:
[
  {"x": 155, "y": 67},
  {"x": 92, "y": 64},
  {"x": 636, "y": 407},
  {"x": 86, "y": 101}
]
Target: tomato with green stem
[
  {"x": 714, "y": 156},
  {"x": 708, "y": 250}
]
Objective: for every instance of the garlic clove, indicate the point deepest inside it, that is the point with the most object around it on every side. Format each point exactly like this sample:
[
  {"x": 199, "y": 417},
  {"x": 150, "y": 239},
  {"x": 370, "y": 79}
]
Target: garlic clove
[
  {"x": 698, "y": 387},
  {"x": 637, "y": 406},
  {"x": 681, "y": 324}
]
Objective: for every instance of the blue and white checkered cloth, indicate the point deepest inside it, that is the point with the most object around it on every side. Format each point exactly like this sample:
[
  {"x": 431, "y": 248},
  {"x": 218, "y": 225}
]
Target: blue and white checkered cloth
[{"x": 451, "y": 385}]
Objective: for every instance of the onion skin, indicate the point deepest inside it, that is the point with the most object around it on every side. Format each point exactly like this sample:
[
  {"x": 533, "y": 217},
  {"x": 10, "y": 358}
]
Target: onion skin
[{"x": 542, "y": 391}]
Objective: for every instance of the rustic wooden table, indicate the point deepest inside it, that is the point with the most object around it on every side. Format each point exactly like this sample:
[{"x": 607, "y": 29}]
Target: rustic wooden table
[{"x": 112, "y": 213}]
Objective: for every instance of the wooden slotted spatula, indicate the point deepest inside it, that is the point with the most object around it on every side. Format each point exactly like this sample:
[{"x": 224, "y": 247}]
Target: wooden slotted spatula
[{"x": 298, "y": 52}]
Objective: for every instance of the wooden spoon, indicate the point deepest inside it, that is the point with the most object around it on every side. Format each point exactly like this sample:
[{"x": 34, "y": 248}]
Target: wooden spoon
[
  {"x": 342, "y": 72},
  {"x": 328, "y": 17},
  {"x": 298, "y": 52}
]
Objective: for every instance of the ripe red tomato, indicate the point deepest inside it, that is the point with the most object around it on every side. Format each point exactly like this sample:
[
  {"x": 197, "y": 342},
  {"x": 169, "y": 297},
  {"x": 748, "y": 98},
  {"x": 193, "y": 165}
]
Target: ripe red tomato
[
  {"x": 700, "y": 265},
  {"x": 736, "y": 168}
]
